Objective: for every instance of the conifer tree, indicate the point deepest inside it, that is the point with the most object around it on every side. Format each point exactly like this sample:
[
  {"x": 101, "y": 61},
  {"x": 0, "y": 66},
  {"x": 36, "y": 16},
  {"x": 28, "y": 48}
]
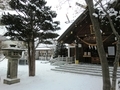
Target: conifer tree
[
  {"x": 33, "y": 22},
  {"x": 61, "y": 50}
]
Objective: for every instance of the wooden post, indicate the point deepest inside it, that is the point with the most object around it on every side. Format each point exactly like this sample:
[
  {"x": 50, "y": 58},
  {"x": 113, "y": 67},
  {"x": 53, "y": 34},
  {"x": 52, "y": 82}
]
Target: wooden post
[{"x": 77, "y": 54}]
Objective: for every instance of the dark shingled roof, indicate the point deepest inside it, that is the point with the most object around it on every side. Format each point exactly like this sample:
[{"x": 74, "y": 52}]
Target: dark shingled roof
[{"x": 63, "y": 37}]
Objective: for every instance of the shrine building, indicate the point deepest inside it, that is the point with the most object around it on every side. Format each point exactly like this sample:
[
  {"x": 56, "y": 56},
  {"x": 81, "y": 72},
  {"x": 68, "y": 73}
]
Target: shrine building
[{"x": 80, "y": 34}]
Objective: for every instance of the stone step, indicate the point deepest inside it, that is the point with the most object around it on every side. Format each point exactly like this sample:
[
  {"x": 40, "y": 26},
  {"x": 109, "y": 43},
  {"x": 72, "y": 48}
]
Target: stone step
[
  {"x": 78, "y": 72},
  {"x": 91, "y": 67},
  {"x": 83, "y": 67},
  {"x": 83, "y": 70},
  {"x": 94, "y": 70}
]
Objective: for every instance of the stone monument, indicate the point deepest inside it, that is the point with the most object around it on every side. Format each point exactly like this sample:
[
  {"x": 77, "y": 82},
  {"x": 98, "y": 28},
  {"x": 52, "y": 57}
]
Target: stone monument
[{"x": 12, "y": 53}]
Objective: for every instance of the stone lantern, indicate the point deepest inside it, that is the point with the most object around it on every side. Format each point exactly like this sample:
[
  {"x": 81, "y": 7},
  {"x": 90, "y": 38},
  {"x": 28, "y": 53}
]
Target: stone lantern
[{"x": 12, "y": 53}]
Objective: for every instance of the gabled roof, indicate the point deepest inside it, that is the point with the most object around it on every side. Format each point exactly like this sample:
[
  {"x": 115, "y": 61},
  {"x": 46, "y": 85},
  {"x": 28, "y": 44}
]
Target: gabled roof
[
  {"x": 81, "y": 27},
  {"x": 68, "y": 35}
]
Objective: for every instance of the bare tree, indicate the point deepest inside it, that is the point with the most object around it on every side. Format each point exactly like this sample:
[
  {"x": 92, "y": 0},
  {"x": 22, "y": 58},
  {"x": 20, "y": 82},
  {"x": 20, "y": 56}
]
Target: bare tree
[
  {"x": 113, "y": 86},
  {"x": 104, "y": 63},
  {"x": 101, "y": 51}
]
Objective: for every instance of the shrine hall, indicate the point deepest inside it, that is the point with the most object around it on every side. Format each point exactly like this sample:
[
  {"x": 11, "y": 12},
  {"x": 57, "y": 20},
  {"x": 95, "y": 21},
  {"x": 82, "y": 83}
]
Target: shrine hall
[{"x": 80, "y": 34}]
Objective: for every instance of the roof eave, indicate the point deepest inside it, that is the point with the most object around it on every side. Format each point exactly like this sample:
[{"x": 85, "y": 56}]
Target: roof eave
[{"x": 79, "y": 19}]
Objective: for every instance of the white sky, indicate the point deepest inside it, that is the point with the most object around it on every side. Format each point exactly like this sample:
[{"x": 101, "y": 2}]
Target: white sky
[
  {"x": 63, "y": 7},
  {"x": 66, "y": 7}
]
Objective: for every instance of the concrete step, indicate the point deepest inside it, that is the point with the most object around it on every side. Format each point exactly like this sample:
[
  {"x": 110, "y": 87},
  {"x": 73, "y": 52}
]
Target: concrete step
[
  {"x": 84, "y": 66},
  {"x": 94, "y": 70}
]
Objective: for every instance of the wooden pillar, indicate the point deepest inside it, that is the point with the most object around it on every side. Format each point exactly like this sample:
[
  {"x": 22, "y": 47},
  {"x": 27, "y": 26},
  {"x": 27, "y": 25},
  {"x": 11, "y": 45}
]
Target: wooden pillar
[
  {"x": 68, "y": 50},
  {"x": 77, "y": 54}
]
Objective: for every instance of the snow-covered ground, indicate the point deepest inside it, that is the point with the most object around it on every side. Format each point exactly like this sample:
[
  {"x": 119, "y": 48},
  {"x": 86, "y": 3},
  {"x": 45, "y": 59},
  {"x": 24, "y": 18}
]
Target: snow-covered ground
[{"x": 46, "y": 79}]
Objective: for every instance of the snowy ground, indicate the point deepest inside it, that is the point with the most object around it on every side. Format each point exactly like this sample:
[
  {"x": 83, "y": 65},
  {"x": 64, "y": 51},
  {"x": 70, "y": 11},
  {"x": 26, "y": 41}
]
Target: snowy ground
[{"x": 46, "y": 79}]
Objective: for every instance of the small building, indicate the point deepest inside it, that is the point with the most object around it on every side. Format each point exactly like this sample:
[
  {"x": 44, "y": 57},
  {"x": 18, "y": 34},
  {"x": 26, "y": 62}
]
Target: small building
[
  {"x": 44, "y": 53},
  {"x": 80, "y": 34}
]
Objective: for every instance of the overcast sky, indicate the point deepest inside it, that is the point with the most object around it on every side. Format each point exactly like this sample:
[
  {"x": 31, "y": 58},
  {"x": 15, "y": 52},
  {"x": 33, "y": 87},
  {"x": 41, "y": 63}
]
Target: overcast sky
[{"x": 66, "y": 7}]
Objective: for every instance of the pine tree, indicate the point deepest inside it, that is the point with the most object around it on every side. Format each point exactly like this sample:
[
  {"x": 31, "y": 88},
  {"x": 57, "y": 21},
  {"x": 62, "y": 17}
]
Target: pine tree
[
  {"x": 61, "y": 50},
  {"x": 32, "y": 22}
]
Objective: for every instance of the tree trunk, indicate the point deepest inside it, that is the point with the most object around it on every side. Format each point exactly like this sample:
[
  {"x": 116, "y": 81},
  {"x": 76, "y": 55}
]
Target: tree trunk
[
  {"x": 117, "y": 56},
  {"x": 32, "y": 48},
  {"x": 29, "y": 58},
  {"x": 100, "y": 47},
  {"x": 113, "y": 86},
  {"x": 31, "y": 55}
]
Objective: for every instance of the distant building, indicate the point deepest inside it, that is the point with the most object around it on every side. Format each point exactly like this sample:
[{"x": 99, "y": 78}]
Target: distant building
[{"x": 44, "y": 53}]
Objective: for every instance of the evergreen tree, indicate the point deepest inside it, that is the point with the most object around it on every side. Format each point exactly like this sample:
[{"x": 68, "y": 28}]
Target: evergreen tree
[
  {"x": 33, "y": 21},
  {"x": 61, "y": 50}
]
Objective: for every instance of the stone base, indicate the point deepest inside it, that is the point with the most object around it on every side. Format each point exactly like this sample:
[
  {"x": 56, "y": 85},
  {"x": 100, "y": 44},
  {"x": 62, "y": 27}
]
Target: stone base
[{"x": 11, "y": 81}]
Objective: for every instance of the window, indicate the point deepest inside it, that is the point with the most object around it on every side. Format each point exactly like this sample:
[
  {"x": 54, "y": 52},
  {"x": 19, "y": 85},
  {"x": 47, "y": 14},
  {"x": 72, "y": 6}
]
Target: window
[{"x": 111, "y": 50}]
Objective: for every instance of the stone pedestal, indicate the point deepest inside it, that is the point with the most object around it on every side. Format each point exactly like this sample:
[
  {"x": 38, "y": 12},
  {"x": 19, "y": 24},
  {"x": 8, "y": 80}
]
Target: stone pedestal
[{"x": 12, "y": 72}]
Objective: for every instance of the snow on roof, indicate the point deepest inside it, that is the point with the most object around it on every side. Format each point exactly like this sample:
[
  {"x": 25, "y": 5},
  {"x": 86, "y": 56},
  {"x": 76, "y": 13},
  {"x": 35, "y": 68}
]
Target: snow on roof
[
  {"x": 46, "y": 45},
  {"x": 43, "y": 48}
]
